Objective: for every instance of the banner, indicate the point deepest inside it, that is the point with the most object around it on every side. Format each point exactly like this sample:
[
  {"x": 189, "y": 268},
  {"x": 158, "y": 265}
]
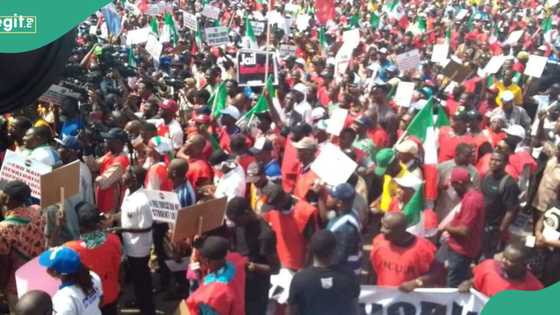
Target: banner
[
  {"x": 217, "y": 36},
  {"x": 445, "y": 301},
  {"x": 251, "y": 67}
]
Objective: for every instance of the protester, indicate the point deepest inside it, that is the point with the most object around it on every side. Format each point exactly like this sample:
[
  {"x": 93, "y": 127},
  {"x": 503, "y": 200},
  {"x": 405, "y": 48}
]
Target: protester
[{"x": 34, "y": 302}]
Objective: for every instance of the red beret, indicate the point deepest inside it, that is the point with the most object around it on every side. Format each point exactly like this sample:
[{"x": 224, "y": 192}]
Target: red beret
[
  {"x": 459, "y": 175},
  {"x": 169, "y": 105}
]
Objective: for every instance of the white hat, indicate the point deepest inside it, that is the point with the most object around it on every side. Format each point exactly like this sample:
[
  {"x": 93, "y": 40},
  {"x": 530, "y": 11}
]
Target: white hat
[
  {"x": 516, "y": 130},
  {"x": 302, "y": 88},
  {"x": 407, "y": 146},
  {"x": 507, "y": 96},
  {"x": 409, "y": 181},
  {"x": 231, "y": 111}
]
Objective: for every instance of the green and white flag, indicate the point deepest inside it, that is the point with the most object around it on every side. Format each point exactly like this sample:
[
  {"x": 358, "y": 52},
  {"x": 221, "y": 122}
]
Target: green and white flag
[
  {"x": 374, "y": 20},
  {"x": 250, "y": 35},
  {"x": 421, "y": 23},
  {"x": 169, "y": 32},
  {"x": 323, "y": 39},
  {"x": 154, "y": 25},
  {"x": 131, "y": 58},
  {"x": 218, "y": 100},
  {"x": 260, "y": 107}
]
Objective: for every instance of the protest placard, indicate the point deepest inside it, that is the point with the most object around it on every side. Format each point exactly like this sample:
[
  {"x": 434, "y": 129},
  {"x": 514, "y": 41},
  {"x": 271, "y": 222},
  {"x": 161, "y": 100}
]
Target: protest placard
[
  {"x": 343, "y": 58},
  {"x": 323, "y": 165},
  {"x": 535, "y": 66},
  {"x": 138, "y": 36},
  {"x": 258, "y": 27},
  {"x": 286, "y": 50},
  {"x": 440, "y": 52},
  {"x": 163, "y": 204},
  {"x": 61, "y": 183},
  {"x": 18, "y": 167},
  {"x": 153, "y": 9},
  {"x": 200, "y": 218},
  {"x": 336, "y": 121},
  {"x": 403, "y": 95},
  {"x": 211, "y": 12},
  {"x": 251, "y": 67},
  {"x": 494, "y": 64},
  {"x": 514, "y": 37},
  {"x": 154, "y": 47},
  {"x": 33, "y": 276},
  {"x": 190, "y": 21},
  {"x": 408, "y": 60},
  {"x": 456, "y": 71},
  {"x": 461, "y": 14},
  {"x": 352, "y": 37},
  {"x": 56, "y": 94},
  {"x": 217, "y": 36}
]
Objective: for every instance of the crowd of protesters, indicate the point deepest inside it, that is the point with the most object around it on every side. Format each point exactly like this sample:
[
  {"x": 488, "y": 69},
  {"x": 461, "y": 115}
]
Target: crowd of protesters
[{"x": 140, "y": 123}]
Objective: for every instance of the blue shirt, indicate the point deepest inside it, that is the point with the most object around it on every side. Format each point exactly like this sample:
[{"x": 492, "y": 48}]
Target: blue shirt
[{"x": 186, "y": 194}]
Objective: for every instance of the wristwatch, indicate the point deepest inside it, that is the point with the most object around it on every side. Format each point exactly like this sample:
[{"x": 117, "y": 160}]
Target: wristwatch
[{"x": 419, "y": 282}]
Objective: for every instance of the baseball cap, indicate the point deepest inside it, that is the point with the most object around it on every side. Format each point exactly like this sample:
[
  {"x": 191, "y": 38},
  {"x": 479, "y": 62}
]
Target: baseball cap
[
  {"x": 306, "y": 143},
  {"x": 115, "y": 134},
  {"x": 344, "y": 192},
  {"x": 214, "y": 248},
  {"x": 459, "y": 175},
  {"x": 232, "y": 111},
  {"x": 516, "y": 131},
  {"x": 169, "y": 105},
  {"x": 69, "y": 142},
  {"x": 17, "y": 190},
  {"x": 162, "y": 145},
  {"x": 383, "y": 159},
  {"x": 61, "y": 259},
  {"x": 507, "y": 96},
  {"x": 407, "y": 146},
  {"x": 409, "y": 181}
]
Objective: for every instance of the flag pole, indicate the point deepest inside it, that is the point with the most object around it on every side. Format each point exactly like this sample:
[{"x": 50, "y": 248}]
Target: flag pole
[{"x": 267, "y": 40}]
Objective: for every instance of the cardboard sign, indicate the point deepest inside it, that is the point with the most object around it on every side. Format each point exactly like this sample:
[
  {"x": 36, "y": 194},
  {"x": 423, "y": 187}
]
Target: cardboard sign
[
  {"x": 408, "y": 60},
  {"x": 56, "y": 94},
  {"x": 535, "y": 66},
  {"x": 343, "y": 58},
  {"x": 403, "y": 95},
  {"x": 456, "y": 71},
  {"x": 494, "y": 64},
  {"x": 66, "y": 177},
  {"x": 32, "y": 276},
  {"x": 163, "y": 204},
  {"x": 352, "y": 37},
  {"x": 153, "y": 9},
  {"x": 190, "y": 21},
  {"x": 514, "y": 37},
  {"x": 287, "y": 50},
  {"x": 331, "y": 156},
  {"x": 217, "y": 36},
  {"x": 200, "y": 218},
  {"x": 138, "y": 36},
  {"x": 154, "y": 47},
  {"x": 18, "y": 167},
  {"x": 251, "y": 67},
  {"x": 440, "y": 52},
  {"x": 211, "y": 12},
  {"x": 258, "y": 27},
  {"x": 336, "y": 121}
]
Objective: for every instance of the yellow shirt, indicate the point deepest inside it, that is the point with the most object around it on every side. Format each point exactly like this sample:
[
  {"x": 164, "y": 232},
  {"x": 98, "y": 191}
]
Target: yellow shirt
[
  {"x": 513, "y": 88},
  {"x": 389, "y": 189}
]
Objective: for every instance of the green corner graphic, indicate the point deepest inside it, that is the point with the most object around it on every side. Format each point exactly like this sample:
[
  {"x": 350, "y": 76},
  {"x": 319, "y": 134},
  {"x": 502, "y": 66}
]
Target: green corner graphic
[
  {"x": 524, "y": 302},
  {"x": 52, "y": 19}
]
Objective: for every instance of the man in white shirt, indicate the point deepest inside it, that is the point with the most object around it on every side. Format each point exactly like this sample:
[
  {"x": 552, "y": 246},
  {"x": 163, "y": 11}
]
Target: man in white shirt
[
  {"x": 232, "y": 181},
  {"x": 136, "y": 225},
  {"x": 36, "y": 143}
]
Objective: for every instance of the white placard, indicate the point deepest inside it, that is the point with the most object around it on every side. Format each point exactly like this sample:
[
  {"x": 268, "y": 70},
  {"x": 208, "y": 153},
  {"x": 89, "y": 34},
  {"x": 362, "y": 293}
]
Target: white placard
[
  {"x": 138, "y": 36},
  {"x": 163, "y": 204},
  {"x": 514, "y": 37},
  {"x": 153, "y": 9},
  {"x": 336, "y": 122},
  {"x": 351, "y": 37},
  {"x": 342, "y": 59},
  {"x": 403, "y": 95},
  {"x": 408, "y": 60},
  {"x": 154, "y": 47},
  {"x": 287, "y": 50},
  {"x": 258, "y": 27},
  {"x": 535, "y": 66},
  {"x": 93, "y": 30},
  {"x": 217, "y": 36},
  {"x": 494, "y": 64},
  {"x": 439, "y": 53},
  {"x": 329, "y": 157},
  {"x": 190, "y": 21},
  {"x": 461, "y": 15},
  {"x": 18, "y": 167},
  {"x": 211, "y": 12}
]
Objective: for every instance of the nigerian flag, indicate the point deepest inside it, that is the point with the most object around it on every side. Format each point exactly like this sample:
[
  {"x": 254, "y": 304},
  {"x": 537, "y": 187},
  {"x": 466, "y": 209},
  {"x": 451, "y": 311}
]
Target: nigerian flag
[
  {"x": 131, "y": 58},
  {"x": 413, "y": 209},
  {"x": 546, "y": 24},
  {"x": 421, "y": 23},
  {"x": 323, "y": 39},
  {"x": 218, "y": 100},
  {"x": 260, "y": 107},
  {"x": 249, "y": 34},
  {"x": 170, "y": 30},
  {"x": 374, "y": 20},
  {"x": 355, "y": 20},
  {"x": 154, "y": 25}
]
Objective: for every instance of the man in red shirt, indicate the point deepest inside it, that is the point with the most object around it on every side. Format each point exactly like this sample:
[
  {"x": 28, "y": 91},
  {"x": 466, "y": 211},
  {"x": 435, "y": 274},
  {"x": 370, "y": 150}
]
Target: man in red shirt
[
  {"x": 200, "y": 172},
  {"x": 290, "y": 162},
  {"x": 450, "y": 137},
  {"x": 402, "y": 259},
  {"x": 465, "y": 229},
  {"x": 508, "y": 272}
]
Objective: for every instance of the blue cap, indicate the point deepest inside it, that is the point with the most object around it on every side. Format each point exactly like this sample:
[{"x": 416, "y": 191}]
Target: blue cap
[
  {"x": 344, "y": 192},
  {"x": 61, "y": 259}
]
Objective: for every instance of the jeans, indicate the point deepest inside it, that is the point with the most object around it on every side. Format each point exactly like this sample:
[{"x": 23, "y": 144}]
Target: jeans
[
  {"x": 458, "y": 268},
  {"x": 491, "y": 242},
  {"x": 142, "y": 284}
]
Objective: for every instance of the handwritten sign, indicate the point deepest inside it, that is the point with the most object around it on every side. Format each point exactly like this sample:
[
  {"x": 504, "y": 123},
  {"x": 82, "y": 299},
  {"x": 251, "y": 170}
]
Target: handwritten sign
[
  {"x": 408, "y": 60},
  {"x": 164, "y": 205},
  {"x": 287, "y": 51},
  {"x": 403, "y": 95},
  {"x": 18, "y": 167},
  {"x": 211, "y": 12},
  {"x": 190, "y": 21},
  {"x": 217, "y": 36}
]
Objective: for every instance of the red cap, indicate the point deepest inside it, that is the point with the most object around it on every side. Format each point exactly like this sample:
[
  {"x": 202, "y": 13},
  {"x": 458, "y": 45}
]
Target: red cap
[
  {"x": 459, "y": 175},
  {"x": 169, "y": 105}
]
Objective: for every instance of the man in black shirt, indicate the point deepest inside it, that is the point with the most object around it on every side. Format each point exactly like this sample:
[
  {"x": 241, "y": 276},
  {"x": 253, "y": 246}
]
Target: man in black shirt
[
  {"x": 322, "y": 289},
  {"x": 501, "y": 201},
  {"x": 253, "y": 238}
]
